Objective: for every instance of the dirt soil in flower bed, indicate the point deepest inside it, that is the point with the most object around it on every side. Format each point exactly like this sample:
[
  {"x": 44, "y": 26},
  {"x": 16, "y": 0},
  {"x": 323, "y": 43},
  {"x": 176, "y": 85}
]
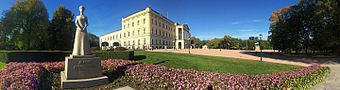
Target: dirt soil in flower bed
[{"x": 149, "y": 76}]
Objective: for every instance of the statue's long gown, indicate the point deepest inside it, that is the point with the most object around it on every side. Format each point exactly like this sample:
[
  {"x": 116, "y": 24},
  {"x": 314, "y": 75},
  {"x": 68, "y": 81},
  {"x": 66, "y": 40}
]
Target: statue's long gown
[{"x": 81, "y": 41}]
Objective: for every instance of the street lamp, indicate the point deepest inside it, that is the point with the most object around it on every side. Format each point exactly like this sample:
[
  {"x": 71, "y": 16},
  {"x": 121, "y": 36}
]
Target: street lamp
[
  {"x": 189, "y": 45},
  {"x": 260, "y": 47},
  {"x": 173, "y": 46}
]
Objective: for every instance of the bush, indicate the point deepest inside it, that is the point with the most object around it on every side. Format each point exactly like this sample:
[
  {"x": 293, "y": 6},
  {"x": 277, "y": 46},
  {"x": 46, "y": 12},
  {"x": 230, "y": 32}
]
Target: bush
[
  {"x": 120, "y": 49},
  {"x": 53, "y": 56},
  {"x": 127, "y": 55},
  {"x": 33, "y": 56}
]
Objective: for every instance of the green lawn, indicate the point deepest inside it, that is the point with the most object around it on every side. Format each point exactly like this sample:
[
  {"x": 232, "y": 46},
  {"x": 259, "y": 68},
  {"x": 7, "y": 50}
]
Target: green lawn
[
  {"x": 211, "y": 63},
  {"x": 2, "y": 64}
]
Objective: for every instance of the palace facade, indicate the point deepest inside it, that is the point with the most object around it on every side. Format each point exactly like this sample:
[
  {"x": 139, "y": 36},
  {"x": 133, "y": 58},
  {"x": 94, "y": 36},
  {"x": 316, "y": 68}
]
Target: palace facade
[{"x": 148, "y": 29}]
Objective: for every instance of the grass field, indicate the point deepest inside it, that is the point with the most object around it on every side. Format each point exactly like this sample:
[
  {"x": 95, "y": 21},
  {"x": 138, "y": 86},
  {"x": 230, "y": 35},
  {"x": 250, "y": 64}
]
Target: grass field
[
  {"x": 2, "y": 64},
  {"x": 211, "y": 63}
]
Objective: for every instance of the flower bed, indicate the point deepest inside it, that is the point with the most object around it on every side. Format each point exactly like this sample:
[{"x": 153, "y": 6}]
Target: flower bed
[
  {"x": 172, "y": 78},
  {"x": 156, "y": 76},
  {"x": 23, "y": 76}
]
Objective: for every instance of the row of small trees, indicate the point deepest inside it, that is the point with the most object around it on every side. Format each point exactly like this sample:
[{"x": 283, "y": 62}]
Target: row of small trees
[
  {"x": 308, "y": 27},
  {"x": 25, "y": 26},
  {"x": 228, "y": 42}
]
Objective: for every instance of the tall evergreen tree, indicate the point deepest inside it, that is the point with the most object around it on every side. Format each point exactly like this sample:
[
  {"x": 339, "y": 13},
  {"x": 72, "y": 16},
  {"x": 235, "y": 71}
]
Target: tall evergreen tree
[{"x": 62, "y": 29}]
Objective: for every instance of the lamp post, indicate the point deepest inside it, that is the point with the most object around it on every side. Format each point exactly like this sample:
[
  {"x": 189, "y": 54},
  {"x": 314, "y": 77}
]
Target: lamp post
[
  {"x": 189, "y": 45},
  {"x": 260, "y": 47},
  {"x": 174, "y": 45}
]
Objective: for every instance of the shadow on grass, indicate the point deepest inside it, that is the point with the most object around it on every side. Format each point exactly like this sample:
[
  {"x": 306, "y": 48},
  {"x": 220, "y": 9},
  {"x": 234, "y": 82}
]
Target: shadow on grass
[
  {"x": 161, "y": 62},
  {"x": 139, "y": 57},
  {"x": 303, "y": 59},
  {"x": 119, "y": 72}
]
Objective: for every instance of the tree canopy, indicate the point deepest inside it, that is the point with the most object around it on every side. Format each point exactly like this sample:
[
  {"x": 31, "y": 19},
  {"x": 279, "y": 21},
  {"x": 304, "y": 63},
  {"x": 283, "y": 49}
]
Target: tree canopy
[
  {"x": 62, "y": 29},
  {"x": 25, "y": 25},
  {"x": 310, "y": 25},
  {"x": 229, "y": 42}
]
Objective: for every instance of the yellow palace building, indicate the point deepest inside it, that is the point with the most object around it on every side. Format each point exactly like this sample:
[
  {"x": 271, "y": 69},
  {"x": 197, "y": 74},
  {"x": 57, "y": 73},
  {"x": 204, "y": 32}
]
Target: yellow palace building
[{"x": 148, "y": 29}]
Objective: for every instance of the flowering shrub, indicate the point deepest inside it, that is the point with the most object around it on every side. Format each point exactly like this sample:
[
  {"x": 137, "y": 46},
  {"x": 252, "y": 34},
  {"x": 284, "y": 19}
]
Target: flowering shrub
[
  {"x": 23, "y": 76},
  {"x": 26, "y": 76},
  {"x": 172, "y": 78}
]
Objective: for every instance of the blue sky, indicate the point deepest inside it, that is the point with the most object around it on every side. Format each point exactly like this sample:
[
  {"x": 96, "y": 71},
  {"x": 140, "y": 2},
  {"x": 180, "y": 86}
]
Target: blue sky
[{"x": 207, "y": 19}]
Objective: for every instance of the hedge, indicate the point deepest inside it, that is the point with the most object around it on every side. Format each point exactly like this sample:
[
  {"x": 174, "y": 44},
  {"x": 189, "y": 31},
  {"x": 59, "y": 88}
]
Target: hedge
[
  {"x": 33, "y": 56},
  {"x": 127, "y": 55},
  {"x": 52, "y": 56}
]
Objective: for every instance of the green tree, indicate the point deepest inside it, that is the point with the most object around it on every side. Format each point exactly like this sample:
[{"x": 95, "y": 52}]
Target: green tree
[
  {"x": 309, "y": 25},
  {"x": 62, "y": 29},
  {"x": 94, "y": 40},
  {"x": 26, "y": 24},
  {"x": 215, "y": 43},
  {"x": 226, "y": 42},
  {"x": 197, "y": 42}
]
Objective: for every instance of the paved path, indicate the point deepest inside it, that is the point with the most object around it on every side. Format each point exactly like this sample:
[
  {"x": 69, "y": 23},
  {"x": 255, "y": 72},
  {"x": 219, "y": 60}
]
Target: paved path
[
  {"x": 331, "y": 83},
  {"x": 125, "y": 88}
]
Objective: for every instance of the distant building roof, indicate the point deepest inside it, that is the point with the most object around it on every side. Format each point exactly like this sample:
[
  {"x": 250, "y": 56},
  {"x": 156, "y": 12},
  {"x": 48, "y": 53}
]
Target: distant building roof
[
  {"x": 111, "y": 32},
  {"x": 151, "y": 10}
]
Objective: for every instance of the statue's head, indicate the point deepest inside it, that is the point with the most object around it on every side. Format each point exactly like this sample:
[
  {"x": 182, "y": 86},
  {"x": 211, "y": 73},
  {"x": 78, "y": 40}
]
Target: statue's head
[{"x": 81, "y": 8}]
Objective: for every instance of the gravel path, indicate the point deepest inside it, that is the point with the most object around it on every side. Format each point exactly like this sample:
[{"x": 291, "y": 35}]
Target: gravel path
[{"x": 332, "y": 82}]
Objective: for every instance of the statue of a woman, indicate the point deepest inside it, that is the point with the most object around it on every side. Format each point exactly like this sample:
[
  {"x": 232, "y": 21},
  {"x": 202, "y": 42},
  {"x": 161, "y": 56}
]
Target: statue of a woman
[{"x": 81, "y": 42}]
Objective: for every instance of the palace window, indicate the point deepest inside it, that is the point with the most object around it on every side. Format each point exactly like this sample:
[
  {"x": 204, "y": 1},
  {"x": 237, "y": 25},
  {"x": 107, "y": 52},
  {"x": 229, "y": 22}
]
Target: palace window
[
  {"x": 152, "y": 31},
  {"x": 144, "y": 41},
  {"x": 128, "y": 34},
  {"x": 156, "y": 32},
  {"x": 151, "y": 21},
  {"x": 138, "y": 42},
  {"x": 138, "y": 32},
  {"x": 156, "y": 22},
  {"x": 144, "y": 30},
  {"x": 144, "y": 21},
  {"x": 133, "y": 24},
  {"x": 151, "y": 41},
  {"x": 138, "y": 22}
]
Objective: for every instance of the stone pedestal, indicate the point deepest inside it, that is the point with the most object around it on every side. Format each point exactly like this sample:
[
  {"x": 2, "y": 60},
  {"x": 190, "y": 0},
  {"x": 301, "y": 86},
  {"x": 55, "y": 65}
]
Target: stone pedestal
[{"x": 82, "y": 71}]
